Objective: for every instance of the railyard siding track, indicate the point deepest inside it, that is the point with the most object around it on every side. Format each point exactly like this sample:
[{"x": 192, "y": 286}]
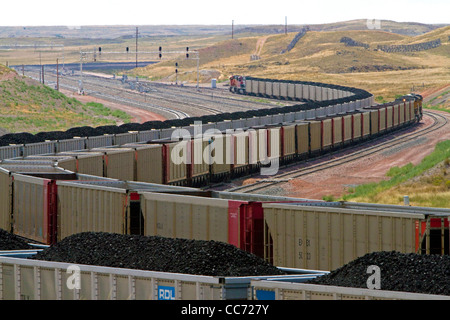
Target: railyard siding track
[
  {"x": 438, "y": 122},
  {"x": 120, "y": 95},
  {"x": 211, "y": 95},
  {"x": 171, "y": 101}
]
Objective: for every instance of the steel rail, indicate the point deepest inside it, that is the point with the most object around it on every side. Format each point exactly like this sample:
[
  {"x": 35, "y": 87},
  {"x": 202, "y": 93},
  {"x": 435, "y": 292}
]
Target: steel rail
[{"x": 438, "y": 122}]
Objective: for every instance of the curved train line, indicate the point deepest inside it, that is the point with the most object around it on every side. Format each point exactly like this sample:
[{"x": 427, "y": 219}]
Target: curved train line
[
  {"x": 438, "y": 122},
  {"x": 101, "y": 93},
  {"x": 110, "y": 90}
]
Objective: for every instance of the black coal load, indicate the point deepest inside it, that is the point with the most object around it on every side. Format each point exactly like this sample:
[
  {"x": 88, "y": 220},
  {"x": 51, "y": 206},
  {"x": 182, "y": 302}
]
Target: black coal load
[
  {"x": 149, "y": 125},
  {"x": 18, "y": 138},
  {"x": 132, "y": 126},
  {"x": 9, "y": 241},
  {"x": 85, "y": 131},
  {"x": 110, "y": 129},
  {"x": 428, "y": 274},
  {"x": 52, "y": 135},
  {"x": 210, "y": 258},
  {"x": 23, "y": 138}
]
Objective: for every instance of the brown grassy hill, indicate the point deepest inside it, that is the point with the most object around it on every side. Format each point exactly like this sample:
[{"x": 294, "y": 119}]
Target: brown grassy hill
[
  {"x": 401, "y": 28},
  {"x": 320, "y": 56}
]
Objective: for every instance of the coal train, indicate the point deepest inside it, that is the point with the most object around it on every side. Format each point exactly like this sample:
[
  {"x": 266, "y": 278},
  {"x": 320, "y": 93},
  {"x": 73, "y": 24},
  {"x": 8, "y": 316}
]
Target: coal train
[
  {"x": 134, "y": 183},
  {"x": 195, "y": 155},
  {"x": 329, "y": 117}
]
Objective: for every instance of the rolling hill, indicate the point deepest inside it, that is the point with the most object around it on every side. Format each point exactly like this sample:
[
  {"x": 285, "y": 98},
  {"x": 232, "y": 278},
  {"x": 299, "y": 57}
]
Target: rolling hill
[
  {"x": 128, "y": 31},
  {"x": 321, "y": 56}
]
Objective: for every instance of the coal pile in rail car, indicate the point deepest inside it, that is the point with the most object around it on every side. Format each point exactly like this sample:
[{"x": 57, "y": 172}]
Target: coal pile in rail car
[
  {"x": 210, "y": 258},
  {"x": 10, "y": 241},
  {"x": 18, "y": 138},
  {"x": 178, "y": 122},
  {"x": 52, "y": 135},
  {"x": 428, "y": 274},
  {"x": 84, "y": 131},
  {"x": 111, "y": 129},
  {"x": 154, "y": 124},
  {"x": 132, "y": 126}
]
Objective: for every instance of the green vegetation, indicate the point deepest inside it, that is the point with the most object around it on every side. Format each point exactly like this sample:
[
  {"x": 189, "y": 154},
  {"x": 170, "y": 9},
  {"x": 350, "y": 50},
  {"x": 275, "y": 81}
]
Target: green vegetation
[
  {"x": 437, "y": 104},
  {"x": 380, "y": 99},
  {"x": 329, "y": 198},
  {"x": 18, "y": 92},
  {"x": 101, "y": 110},
  {"x": 430, "y": 190},
  {"x": 28, "y": 106}
]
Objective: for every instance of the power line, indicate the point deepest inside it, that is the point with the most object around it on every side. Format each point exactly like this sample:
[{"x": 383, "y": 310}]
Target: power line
[
  {"x": 137, "y": 47},
  {"x": 160, "y": 53}
]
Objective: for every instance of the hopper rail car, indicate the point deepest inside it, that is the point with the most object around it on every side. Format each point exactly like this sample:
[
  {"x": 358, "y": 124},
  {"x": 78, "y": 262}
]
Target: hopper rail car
[{"x": 129, "y": 184}]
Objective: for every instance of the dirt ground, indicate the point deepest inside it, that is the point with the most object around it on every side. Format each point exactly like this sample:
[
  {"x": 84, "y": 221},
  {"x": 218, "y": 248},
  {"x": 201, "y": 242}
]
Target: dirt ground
[
  {"x": 335, "y": 181},
  {"x": 138, "y": 115}
]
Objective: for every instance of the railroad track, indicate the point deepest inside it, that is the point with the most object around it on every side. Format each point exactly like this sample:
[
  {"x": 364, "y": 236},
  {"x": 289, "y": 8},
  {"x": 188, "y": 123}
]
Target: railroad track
[
  {"x": 103, "y": 87},
  {"x": 438, "y": 122},
  {"x": 115, "y": 94},
  {"x": 170, "y": 101},
  {"x": 217, "y": 95},
  {"x": 213, "y": 102}
]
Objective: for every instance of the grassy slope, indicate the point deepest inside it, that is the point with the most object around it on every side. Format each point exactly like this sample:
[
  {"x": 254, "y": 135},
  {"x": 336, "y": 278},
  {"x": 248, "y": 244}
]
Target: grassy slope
[
  {"x": 427, "y": 184},
  {"x": 319, "y": 56},
  {"x": 28, "y": 106}
]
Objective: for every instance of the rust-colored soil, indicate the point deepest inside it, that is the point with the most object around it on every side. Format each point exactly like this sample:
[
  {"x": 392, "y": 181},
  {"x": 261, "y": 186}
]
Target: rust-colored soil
[
  {"x": 335, "y": 181},
  {"x": 426, "y": 94},
  {"x": 138, "y": 115}
]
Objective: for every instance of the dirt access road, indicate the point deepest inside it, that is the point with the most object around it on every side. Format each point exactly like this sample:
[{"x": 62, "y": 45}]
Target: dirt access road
[
  {"x": 138, "y": 115},
  {"x": 335, "y": 181}
]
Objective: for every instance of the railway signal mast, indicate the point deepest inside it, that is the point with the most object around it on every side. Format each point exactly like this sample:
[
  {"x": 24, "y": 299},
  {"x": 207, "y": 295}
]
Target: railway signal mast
[
  {"x": 189, "y": 55},
  {"x": 49, "y": 48}
]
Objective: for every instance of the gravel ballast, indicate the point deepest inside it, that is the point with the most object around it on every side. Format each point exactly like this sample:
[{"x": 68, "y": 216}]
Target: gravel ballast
[
  {"x": 153, "y": 253},
  {"x": 10, "y": 241},
  {"x": 429, "y": 274}
]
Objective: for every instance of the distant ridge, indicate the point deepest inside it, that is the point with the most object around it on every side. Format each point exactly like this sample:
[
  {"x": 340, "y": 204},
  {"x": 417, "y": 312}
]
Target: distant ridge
[
  {"x": 124, "y": 31},
  {"x": 402, "y": 28}
]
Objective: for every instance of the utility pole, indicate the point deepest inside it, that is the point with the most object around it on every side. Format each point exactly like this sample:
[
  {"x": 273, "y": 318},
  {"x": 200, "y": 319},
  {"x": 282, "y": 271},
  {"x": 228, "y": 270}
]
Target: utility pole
[
  {"x": 232, "y": 29},
  {"x": 40, "y": 71},
  {"x": 136, "y": 47},
  {"x": 57, "y": 74},
  {"x": 285, "y": 25},
  {"x": 80, "y": 90},
  {"x": 198, "y": 63}
]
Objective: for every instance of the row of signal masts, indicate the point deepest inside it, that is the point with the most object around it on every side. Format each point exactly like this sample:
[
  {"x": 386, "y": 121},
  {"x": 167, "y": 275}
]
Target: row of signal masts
[
  {"x": 191, "y": 55},
  {"x": 188, "y": 56}
]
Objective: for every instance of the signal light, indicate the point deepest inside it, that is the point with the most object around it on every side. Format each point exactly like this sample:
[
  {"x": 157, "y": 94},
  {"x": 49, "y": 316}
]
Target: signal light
[
  {"x": 160, "y": 53},
  {"x": 128, "y": 49},
  {"x": 187, "y": 50}
]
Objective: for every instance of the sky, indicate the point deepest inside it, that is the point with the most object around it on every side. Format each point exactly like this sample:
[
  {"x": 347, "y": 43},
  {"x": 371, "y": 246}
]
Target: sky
[{"x": 217, "y": 12}]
